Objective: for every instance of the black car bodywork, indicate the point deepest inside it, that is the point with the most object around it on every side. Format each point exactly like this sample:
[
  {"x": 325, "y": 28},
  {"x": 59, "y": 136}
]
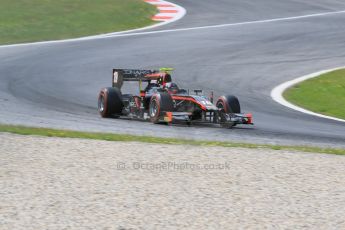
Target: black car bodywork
[{"x": 162, "y": 101}]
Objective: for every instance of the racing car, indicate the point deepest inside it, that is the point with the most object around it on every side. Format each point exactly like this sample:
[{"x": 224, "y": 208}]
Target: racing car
[{"x": 161, "y": 101}]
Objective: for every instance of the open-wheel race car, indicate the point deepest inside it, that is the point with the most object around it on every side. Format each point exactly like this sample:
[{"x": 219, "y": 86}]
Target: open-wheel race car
[{"x": 162, "y": 101}]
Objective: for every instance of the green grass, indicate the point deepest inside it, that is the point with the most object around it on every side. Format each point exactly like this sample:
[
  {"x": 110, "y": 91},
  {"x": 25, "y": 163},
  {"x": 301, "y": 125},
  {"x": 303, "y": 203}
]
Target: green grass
[
  {"x": 22, "y": 130},
  {"x": 38, "y": 20},
  {"x": 324, "y": 94}
]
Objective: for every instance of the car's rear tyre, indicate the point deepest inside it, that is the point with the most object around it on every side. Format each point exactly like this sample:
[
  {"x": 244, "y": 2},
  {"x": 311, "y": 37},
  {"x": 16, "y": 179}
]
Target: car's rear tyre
[
  {"x": 110, "y": 102},
  {"x": 160, "y": 103}
]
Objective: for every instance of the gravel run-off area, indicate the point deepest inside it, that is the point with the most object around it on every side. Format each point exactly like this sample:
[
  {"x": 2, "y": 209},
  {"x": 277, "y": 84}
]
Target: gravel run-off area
[{"x": 53, "y": 183}]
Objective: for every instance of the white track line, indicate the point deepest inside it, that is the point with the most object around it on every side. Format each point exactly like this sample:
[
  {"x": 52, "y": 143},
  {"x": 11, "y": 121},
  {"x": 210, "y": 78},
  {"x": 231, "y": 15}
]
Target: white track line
[
  {"x": 131, "y": 32},
  {"x": 277, "y": 94}
]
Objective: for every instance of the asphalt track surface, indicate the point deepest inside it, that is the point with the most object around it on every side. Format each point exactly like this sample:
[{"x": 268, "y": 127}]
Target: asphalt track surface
[{"x": 56, "y": 85}]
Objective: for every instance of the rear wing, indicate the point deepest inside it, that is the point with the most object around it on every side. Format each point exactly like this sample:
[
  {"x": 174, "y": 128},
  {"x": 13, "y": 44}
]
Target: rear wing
[{"x": 121, "y": 75}]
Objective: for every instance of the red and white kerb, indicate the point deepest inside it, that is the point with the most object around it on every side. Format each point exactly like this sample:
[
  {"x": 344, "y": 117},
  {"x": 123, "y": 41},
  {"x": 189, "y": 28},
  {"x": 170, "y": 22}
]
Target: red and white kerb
[{"x": 167, "y": 10}]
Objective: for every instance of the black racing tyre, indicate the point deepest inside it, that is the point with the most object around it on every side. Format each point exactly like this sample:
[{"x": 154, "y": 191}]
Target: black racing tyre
[
  {"x": 229, "y": 104},
  {"x": 110, "y": 102},
  {"x": 159, "y": 103}
]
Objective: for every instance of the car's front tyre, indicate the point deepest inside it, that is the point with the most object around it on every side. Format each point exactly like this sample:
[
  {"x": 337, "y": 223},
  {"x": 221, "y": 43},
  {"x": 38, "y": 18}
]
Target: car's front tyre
[{"x": 227, "y": 104}]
